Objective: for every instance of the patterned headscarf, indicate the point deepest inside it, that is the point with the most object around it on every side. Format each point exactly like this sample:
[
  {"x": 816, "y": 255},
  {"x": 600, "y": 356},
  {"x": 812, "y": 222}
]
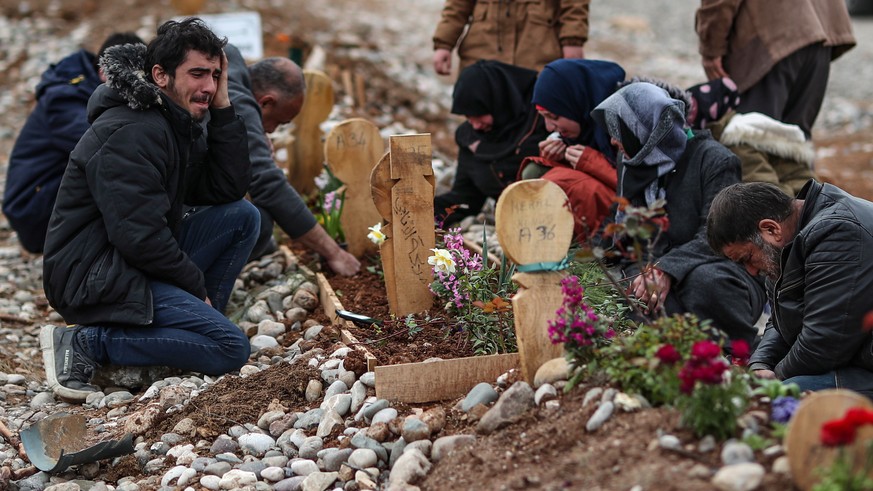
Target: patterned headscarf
[
  {"x": 649, "y": 125},
  {"x": 712, "y": 100},
  {"x": 571, "y": 88}
]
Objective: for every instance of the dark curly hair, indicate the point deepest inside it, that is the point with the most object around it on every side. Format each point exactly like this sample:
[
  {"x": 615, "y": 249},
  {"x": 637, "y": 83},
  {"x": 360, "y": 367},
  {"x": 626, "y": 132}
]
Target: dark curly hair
[
  {"x": 737, "y": 209},
  {"x": 175, "y": 39}
]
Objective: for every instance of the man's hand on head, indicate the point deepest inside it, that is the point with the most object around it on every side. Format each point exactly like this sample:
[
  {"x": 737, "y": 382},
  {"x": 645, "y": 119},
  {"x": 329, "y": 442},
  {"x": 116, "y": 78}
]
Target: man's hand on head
[{"x": 221, "y": 99}]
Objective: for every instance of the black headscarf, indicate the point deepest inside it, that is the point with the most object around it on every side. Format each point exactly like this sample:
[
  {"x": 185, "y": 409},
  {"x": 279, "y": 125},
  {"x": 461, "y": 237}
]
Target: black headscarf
[
  {"x": 572, "y": 88},
  {"x": 501, "y": 90}
]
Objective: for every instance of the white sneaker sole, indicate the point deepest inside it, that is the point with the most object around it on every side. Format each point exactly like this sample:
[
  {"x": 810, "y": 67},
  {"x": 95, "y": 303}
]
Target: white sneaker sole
[{"x": 47, "y": 346}]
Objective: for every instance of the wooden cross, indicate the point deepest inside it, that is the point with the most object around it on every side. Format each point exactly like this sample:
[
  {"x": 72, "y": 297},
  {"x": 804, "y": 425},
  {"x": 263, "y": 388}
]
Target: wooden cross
[
  {"x": 535, "y": 227},
  {"x": 402, "y": 184},
  {"x": 806, "y": 454},
  {"x": 305, "y": 151},
  {"x": 351, "y": 150}
]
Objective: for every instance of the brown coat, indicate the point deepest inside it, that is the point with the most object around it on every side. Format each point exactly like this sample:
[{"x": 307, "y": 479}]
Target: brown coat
[
  {"x": 527, "y": 33},
  {"x": 753, "y": 35}
]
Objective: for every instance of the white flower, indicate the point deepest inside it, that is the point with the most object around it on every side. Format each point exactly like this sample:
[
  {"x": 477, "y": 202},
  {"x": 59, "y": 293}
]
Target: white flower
[
  {"x": 376, "y": 235},
  {"x": 442, "y": 261}
]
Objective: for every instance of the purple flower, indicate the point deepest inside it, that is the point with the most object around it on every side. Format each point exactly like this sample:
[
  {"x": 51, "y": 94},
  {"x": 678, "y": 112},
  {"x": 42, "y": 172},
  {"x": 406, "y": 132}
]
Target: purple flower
[{"x": 782, "y": 408}]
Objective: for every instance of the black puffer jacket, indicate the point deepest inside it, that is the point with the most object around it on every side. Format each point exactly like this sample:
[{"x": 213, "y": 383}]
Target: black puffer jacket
[
  {"x": 115, "y": 223},
  {"x": 824, "y": 291}
]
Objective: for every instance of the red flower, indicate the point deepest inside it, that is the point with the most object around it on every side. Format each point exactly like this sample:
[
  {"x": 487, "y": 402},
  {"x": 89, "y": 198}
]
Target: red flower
[
  {"x": 668, "y": 354},
  {"x": 740, "y": 351},
  {"x": 705, "y": 350},
  {"x": 859, "y": 416},
  {"x": 838, "y": 432},
  {"x": 867, "y": 323}
]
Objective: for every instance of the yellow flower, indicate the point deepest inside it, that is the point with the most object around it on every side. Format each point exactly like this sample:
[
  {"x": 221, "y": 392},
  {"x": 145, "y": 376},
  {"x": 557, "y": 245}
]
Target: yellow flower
[
  {"x": 376, "y": 234},
  {"x": 442, "y": 261}
]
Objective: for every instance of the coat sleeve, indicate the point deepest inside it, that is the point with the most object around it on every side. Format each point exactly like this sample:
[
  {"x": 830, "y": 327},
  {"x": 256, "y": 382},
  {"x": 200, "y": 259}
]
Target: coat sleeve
[
  {"x": 130, "y": 164},
  {"x": 719, "y": 169},
  {"x": 269, "y": 188},
  {"x": 455, "y": 16},
  {"x": 837, "y": 280},
  {"x": 713, "y": 23},
  {"x": 226, "y": 172},
  {"x": 573, "y": 18},
  {"x": 770, "y": 350}
]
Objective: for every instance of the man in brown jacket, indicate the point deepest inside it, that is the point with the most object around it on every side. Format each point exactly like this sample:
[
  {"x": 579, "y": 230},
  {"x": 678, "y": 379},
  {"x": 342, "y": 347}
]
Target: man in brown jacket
[
  {"x": 777, "y": 51},
  {"x": 528, "y": 33}
]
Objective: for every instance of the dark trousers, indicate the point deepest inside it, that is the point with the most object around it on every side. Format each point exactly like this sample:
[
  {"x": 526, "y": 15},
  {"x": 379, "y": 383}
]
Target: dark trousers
[
  {"x": 793, "y": 90},
  {"x": 186, "y": 332}
]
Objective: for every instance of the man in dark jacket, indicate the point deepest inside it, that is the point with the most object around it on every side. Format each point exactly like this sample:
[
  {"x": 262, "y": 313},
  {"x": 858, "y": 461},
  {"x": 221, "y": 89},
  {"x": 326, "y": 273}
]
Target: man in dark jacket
[
  {"x": 43, "y": 147},
  {"x": 815, "y": 251},
  {"x": 146, "y": 281},
  {"x": 265, "y": 95}
]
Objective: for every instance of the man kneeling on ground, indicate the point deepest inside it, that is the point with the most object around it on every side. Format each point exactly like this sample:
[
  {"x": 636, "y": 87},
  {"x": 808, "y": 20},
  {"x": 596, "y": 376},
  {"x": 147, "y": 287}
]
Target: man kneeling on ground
[
  {"x": 144, "y": 277},
  {"x": 815, "y": 252}
]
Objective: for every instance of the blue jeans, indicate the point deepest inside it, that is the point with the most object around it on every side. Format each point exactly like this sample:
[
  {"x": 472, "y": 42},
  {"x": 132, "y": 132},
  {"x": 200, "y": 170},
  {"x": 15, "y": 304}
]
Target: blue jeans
[
  {"x": 187, "y": 333},
  {"x": 852, "y": 378}
]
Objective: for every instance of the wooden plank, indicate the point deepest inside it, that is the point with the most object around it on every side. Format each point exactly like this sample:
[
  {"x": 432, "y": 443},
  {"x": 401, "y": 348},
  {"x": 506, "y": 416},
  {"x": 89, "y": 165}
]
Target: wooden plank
[
  {"x": 380, "y": 190},
  {"x": 351, "y": 150},
  {"x": 306, "y": 151},
  {"x": 412, "y": 225},
  {"x": 439, "y": 380}
]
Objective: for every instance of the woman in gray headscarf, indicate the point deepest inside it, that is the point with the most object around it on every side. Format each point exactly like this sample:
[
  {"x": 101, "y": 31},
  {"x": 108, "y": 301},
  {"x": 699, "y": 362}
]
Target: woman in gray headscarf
[{"x": 659, "y": 159}]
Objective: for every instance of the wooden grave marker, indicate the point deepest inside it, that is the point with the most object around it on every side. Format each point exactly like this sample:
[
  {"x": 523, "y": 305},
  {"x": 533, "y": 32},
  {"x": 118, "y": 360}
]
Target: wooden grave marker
[
  {"x": 351, "y": 150},
  {"x": 806, "y": 454},
  {"x": 535, "y": 229},
  {"x": 380, "y": 189},
  {"x": 306, "y": 151},
  {"x": 402, "y": 187}
]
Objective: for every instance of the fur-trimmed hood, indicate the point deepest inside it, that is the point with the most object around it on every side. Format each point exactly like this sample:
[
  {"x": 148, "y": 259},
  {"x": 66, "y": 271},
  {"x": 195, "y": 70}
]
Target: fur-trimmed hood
[
  {"x": 123, "y": 66},
  {"x": 768, "y": 135}
]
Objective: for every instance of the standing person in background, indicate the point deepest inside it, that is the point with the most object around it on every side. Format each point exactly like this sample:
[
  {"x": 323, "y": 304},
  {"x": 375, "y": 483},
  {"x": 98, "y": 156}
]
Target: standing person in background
[
  {"x": 265, "y": 95},
  {"x": 528, "y": 34},
  {"x": 502, "y": 128},
  {"x": 150, "y": 228},
  {"x": 43, "y": 147},
  {"x": 777, "y": 51}
]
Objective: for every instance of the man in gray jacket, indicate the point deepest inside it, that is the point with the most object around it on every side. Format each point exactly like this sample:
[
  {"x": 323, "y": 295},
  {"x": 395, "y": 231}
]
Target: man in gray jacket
[
  {"x": 815, "y": 251},
  {"x": 265, "y": 95}
]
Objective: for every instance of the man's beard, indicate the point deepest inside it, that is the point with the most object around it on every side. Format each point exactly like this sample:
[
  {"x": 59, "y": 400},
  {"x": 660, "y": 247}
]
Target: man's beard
[{"x": 772, "y": 261}]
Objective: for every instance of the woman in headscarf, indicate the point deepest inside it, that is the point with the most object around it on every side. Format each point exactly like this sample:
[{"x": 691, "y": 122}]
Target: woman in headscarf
[
  {"x": 502, "y": 128},
  {"x": 578, "y": 156},
  {"x": 660, "y": 159}
]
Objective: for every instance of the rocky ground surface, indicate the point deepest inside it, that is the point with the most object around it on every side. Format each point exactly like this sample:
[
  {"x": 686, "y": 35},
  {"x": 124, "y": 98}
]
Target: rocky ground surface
[{"x": 303, "y": 413}]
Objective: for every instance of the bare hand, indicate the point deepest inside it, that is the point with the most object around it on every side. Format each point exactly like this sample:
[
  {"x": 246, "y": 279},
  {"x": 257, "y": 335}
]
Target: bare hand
[
  {"x": 713, "y": 68},
  {"x": 573, "y": 154},
  {"x": 765, "y": 374},
  {"x": 343, "y": 263},
  {"x": 208, "y": 302},
  {"x": 573, "y": 51},
  {"x": 651, "y": 287},
  {"x": 221, "y": 99},
  {"x": 442, "y": 61},
  {"x": 552, "y": 149}
]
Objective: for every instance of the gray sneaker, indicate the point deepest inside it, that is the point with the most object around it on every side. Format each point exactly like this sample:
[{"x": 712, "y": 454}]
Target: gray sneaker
[{"x": 67, "y": 369}]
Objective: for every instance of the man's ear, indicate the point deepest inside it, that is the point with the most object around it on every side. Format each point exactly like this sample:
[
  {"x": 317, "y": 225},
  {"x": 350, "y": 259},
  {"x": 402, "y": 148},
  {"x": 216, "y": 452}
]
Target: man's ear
[
  {"x": 266, "y": 100},
  {"x": 160, "y": 76},
  {"x": 771, "y": 231}
]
